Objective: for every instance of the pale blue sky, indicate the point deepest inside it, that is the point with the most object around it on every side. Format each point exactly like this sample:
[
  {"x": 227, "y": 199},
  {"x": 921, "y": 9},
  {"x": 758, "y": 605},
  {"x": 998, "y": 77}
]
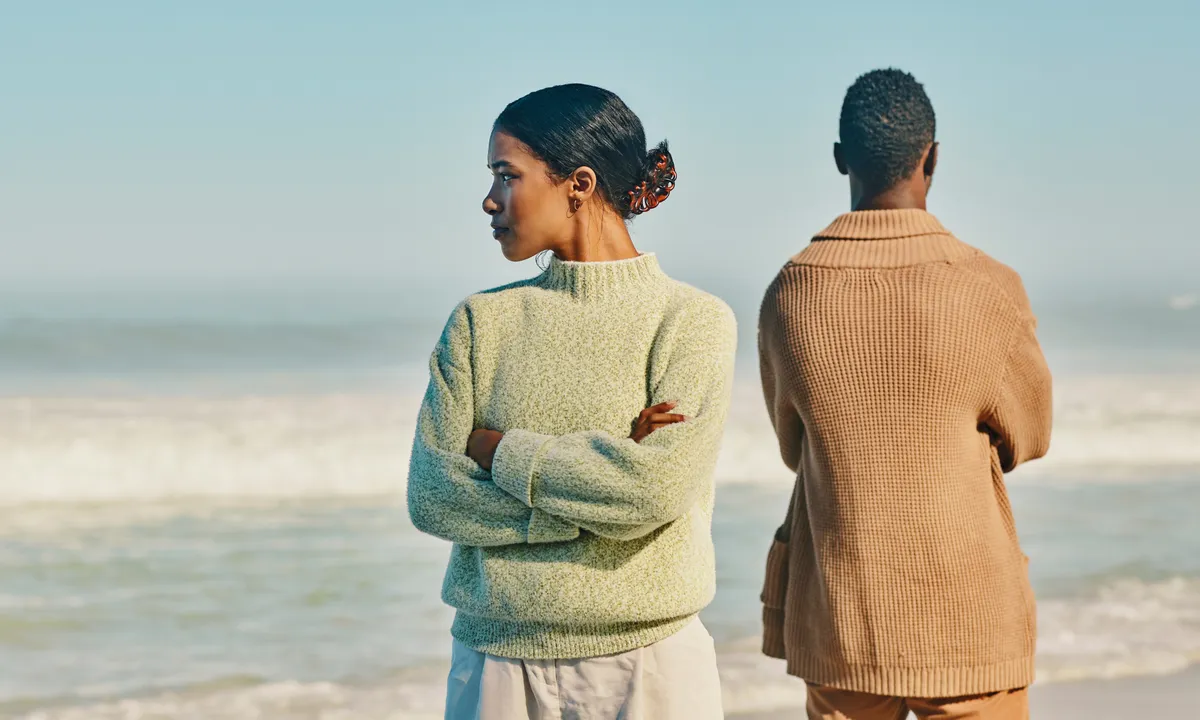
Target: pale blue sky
[{"x": 344, "y": 143}]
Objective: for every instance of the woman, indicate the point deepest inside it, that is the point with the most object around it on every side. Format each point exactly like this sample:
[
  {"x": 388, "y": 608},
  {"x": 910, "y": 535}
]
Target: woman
[{"x": 582, "y": 550}]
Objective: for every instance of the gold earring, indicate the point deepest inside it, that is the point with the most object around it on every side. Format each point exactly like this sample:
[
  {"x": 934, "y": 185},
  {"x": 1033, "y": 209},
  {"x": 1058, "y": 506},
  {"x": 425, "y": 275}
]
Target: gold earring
[{"x": 576, "y": 203}]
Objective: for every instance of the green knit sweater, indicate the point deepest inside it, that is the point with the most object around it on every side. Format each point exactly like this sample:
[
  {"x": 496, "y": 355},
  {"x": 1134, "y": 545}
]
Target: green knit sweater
[{"x": 579, "y": 542}]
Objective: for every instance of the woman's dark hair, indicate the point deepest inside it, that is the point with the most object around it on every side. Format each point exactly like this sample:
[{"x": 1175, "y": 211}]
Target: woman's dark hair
[{"x": 570, "y": 126}]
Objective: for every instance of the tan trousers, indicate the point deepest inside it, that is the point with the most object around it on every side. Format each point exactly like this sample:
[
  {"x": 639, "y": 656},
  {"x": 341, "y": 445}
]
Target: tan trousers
[
  {"x": 674, "y": 679},
  {"x": 826, "y": 703}
]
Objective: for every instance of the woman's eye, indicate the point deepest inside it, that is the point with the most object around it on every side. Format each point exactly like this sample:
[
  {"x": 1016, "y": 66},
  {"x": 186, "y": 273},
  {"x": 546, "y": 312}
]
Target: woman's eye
[{"x": 505, "y": 177}]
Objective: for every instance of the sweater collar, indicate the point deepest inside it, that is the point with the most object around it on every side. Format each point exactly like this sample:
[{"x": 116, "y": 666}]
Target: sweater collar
[
  {"x": 883, "y": 239},
  {"x": 882, "y": 225},
  {"x": 589, "y": 280}
]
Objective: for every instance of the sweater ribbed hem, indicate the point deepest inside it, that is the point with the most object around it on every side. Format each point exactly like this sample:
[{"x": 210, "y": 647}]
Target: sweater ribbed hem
[
  {"x": 593, "y": 280},
  {"x": 546, "y": 641},
  {"x": 774, "y": 597},
  {"x": 911, "y": 682}
]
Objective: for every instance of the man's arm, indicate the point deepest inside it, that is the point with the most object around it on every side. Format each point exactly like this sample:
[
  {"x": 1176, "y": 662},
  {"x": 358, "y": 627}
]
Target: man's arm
[
  {"x": 789, "y": 429},
  {"x": 1021, "y": 410}
]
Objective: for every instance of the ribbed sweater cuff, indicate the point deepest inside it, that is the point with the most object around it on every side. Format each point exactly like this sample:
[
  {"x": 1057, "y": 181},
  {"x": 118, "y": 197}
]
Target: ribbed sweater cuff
[
  {"x": 514, "y": 462},
  {"x": 774, "y": 593},
  {"x": 774, "y": 597},
  {"x": 546, "y": 528},
  {"x": 773, "y": 645}
]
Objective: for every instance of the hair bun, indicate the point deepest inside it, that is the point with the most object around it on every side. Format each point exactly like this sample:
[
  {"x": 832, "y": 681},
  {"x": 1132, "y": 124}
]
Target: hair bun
[{"x": 659, "y": 180}]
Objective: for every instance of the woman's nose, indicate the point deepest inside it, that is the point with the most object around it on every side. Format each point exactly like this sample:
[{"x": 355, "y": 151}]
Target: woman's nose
[{"x": 490, "y": 206}]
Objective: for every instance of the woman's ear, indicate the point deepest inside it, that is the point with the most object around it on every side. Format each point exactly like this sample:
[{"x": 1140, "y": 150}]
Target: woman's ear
[{"x": 582, "y": 184}]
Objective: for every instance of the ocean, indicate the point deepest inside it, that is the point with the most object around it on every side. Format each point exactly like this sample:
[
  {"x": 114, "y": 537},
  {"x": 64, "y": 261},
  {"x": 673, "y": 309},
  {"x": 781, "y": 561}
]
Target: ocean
[{"x": 202, "y": 506}]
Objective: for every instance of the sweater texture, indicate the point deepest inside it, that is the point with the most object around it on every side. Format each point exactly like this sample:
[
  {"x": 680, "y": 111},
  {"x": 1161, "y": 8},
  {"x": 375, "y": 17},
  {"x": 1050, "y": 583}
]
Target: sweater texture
[
  {"x": 579, "y": 542},
  {"x": 904, "y": 378}
]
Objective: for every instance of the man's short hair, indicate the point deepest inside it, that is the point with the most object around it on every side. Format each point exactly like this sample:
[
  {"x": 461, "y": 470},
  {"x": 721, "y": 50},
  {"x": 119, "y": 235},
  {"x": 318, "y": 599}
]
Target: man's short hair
[{"x": 887, "y": 122}]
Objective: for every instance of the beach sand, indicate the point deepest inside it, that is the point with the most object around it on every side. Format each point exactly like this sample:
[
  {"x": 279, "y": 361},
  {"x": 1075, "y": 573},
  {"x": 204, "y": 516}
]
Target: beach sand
[{"x": 1173, "y": 697}]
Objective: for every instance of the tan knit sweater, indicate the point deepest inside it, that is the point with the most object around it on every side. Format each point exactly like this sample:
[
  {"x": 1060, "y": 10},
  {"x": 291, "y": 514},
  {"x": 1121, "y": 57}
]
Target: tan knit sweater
[{"x": 904, "y": 378}]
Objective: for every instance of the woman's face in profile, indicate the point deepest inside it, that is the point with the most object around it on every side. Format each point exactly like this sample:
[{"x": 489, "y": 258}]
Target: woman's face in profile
[{"x": 530, "y": 210}]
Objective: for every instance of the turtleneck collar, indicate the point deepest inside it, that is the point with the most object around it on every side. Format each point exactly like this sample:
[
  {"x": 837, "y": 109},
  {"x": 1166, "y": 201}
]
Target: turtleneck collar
[
  {"x": 882, "y": 239},
  {"x": 589, "y": 280}
]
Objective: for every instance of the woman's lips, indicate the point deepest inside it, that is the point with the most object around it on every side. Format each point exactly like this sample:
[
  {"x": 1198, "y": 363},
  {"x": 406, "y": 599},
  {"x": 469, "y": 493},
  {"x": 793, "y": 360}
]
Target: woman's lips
[{"x": 498, "y": 233}]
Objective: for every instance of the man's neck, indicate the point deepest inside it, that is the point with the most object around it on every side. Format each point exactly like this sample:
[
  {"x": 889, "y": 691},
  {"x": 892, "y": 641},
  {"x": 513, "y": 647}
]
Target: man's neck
[
  {"x": 908, "y": 194},
  {"x": 897, "y": 198}
]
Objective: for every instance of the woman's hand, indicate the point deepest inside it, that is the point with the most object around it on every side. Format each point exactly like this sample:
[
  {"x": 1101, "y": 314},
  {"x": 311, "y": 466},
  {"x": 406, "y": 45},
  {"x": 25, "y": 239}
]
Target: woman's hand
[
  {"x": 653, "y": 418},
  {"x": 481, "y": 447}
]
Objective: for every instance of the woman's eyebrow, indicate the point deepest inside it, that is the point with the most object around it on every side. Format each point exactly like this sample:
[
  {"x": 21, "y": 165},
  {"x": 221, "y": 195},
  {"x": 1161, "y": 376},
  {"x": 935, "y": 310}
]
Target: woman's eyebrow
[{"x": 499, "y": 164}]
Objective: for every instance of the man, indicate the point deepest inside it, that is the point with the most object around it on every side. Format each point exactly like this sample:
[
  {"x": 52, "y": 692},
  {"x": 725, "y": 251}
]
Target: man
[{"x": 903, "y": 377}]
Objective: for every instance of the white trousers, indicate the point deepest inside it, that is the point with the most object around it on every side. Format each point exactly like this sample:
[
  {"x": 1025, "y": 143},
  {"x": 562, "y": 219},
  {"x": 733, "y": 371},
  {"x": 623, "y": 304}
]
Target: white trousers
[{"x": 673, "y": 679}]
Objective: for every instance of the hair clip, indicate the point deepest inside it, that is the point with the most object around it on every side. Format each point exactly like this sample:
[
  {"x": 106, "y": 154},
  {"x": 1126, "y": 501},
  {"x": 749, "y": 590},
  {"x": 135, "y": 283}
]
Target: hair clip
[{"x": 642, "y": 197}]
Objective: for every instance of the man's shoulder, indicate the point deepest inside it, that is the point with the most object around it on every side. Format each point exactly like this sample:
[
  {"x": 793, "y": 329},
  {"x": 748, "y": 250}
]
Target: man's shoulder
[
  {"x": 1000, "y": 278},
  {"x": 784, "y": 283},
  {"x": 972, "y": 268},
  {"x": 789, "y": 274}
]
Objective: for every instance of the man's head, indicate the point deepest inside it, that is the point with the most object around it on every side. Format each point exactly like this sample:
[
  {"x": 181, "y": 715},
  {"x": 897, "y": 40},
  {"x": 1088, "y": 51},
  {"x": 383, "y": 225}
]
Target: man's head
[{"x": 887, "y": 141}]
